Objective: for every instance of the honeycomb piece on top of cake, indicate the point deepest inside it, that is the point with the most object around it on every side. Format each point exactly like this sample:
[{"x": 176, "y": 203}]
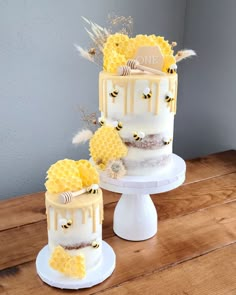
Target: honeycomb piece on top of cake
[
  {"x": 118, "y": 42},
  {"x": 106, "y": 145},
  {"x": 112, "y": 60},
  {"x": 88, "y": 173},
  {"x": 63, "y": 176},
  {"x": 164, "y": 45},
  {"x": 144, "y": 40}
]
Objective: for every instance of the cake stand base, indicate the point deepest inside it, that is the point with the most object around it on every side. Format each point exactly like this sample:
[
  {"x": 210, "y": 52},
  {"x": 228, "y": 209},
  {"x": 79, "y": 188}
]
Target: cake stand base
[
  {"x": 93, "y": 277},
  {"x": 135, "y": 216}
]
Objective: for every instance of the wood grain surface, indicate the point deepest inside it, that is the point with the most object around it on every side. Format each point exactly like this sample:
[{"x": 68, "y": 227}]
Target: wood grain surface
[{"x": 193, "y": 253}]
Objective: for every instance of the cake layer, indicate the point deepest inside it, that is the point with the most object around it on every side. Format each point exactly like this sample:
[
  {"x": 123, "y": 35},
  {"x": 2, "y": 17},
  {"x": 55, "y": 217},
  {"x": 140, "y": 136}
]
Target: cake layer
[
  {"x": 145, "y": 105},
  {"x": 76, "y": 226}
]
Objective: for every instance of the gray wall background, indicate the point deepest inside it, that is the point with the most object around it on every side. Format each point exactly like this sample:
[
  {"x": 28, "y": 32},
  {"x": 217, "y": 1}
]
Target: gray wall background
[
  {"x": 44, "y": 81},
  {"x": 206, "y": 118}
]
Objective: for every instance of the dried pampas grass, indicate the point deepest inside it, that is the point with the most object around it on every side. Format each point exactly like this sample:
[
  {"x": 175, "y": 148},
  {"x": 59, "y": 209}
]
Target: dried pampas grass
[
  {"x": 82, "y": 136},
  {"x": 98, "y": 36},
  {"x": 84, "y": 53},
  {"x": 183, "y": 54}
]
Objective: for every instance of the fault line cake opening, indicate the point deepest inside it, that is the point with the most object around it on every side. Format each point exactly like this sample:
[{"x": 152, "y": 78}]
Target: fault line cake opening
[{"x": 137, "y": 100}]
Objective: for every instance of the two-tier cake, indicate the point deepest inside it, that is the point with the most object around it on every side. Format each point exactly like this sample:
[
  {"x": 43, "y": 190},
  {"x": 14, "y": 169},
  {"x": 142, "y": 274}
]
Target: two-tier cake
[{"x": 137, "y": 101}]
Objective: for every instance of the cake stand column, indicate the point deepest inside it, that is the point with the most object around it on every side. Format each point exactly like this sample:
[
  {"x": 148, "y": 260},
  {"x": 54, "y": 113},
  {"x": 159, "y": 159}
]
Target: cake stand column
[{"x": 135, "y": 217}]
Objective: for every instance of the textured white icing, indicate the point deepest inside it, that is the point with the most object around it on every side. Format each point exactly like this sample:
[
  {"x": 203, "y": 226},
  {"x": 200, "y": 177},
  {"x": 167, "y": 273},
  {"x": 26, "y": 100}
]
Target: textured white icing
[
  {"x": 76, "y": 234},
  {"x": 144, "y": 116}
]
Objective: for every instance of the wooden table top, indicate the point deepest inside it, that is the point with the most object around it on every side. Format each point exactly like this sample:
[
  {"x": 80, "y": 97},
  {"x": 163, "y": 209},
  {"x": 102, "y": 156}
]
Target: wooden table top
[{"x": 193, "y": 253}]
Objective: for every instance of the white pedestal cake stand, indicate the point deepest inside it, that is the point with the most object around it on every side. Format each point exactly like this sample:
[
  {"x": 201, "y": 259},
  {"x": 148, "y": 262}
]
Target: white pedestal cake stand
[
  {"x": 135, "y": 216},
  {"x": 93, "y": 277}
]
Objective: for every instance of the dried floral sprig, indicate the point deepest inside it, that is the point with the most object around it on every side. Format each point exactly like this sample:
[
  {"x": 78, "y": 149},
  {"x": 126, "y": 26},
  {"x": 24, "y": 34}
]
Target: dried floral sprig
[
  {"x": 115, "y": 169},
  {"x": 98, "y": 36},
  {"x": 183, "y": 54},
  {"x": 90, "y": 119},
  {"x": 85, "y": 53},
  {"x": 120, "y": 24},
  {"x": 82, "y": 136}
]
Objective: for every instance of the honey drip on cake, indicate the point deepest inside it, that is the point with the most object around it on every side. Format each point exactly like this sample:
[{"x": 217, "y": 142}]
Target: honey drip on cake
[
  {"x": 128, "y": 85},
  {"x": 157, "y": 99},
  {"x": 88, "y": 211}
]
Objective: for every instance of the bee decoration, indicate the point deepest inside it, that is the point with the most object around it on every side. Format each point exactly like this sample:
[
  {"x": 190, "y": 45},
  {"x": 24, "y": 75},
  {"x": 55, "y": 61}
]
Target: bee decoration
[
  {"x": 167, "y": 140},
  {"x": 147, "y": 93},
  {"x": 138, "y": 136},
  {"x": 169, "y": 97},
  {"x": 172, "y": 69},
  {"x": 119, "y": 126},
  {"x": 65, "y": 224},
  {"x": 101, "y": 121},
  {"x": 114, "y": 93},
  {"x": 93, "y": 189},
  {"x": 95, "y": 244}
]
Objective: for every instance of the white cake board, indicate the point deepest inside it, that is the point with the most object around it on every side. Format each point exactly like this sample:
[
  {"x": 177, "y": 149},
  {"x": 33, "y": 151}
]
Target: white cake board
[
  {"x": 93, "y": 277},
  {"x": 135, "y": 216}
]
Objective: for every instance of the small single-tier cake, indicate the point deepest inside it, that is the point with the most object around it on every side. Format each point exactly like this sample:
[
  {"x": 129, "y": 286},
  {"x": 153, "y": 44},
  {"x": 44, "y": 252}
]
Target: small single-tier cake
[
  {"x": 76, "y": 226},
  {"x": 74, "y": 208}
]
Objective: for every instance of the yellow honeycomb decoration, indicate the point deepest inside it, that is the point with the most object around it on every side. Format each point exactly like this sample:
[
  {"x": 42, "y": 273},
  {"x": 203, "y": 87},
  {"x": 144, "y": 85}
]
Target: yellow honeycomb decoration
[
  {"x": 131, "y": 49},
  {"x": 73, "y": 266},
  {"x": 63, "y": 176},
  {"x": 112, "y": 60},
  {"x": 58, "y": 259},
  {"x": 88, "y": 173},
  {"x": 168, "y": 61},
  {"x": 164, "y": 45},
  {"x": 119, "y": 48},
  {"x": 106, "y": 145},
  {"x": 117, "y": 42},
  {"x": 144, "y": 40},
  {"x": 69, "y": 175}
]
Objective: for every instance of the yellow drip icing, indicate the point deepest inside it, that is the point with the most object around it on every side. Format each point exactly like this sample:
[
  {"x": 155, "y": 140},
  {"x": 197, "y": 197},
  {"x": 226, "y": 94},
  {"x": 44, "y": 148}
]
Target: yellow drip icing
[
  {"x": 130, "y": 81},
  {"x": 48, "y": 217},
  {"x": 55, "y": 219},
  {"x": 125, "y": 99},
  {"x": 90, "y": 212},
  {"x": 85, "y": 203},
  {"x": 105, "y": 100},
  {"x": 132, "y": 96},
  {"x": 94, "y": 218},
  {"x": 157, "y": 98},
  {"x": 101, "y": 212},
  {"x": 84, "y": 215}
]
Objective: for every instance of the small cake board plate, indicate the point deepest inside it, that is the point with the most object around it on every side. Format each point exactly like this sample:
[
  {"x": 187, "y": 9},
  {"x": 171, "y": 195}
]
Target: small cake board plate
[
  {"x": 93, "y": 277},
  {"x": 135, "y": 216}
]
